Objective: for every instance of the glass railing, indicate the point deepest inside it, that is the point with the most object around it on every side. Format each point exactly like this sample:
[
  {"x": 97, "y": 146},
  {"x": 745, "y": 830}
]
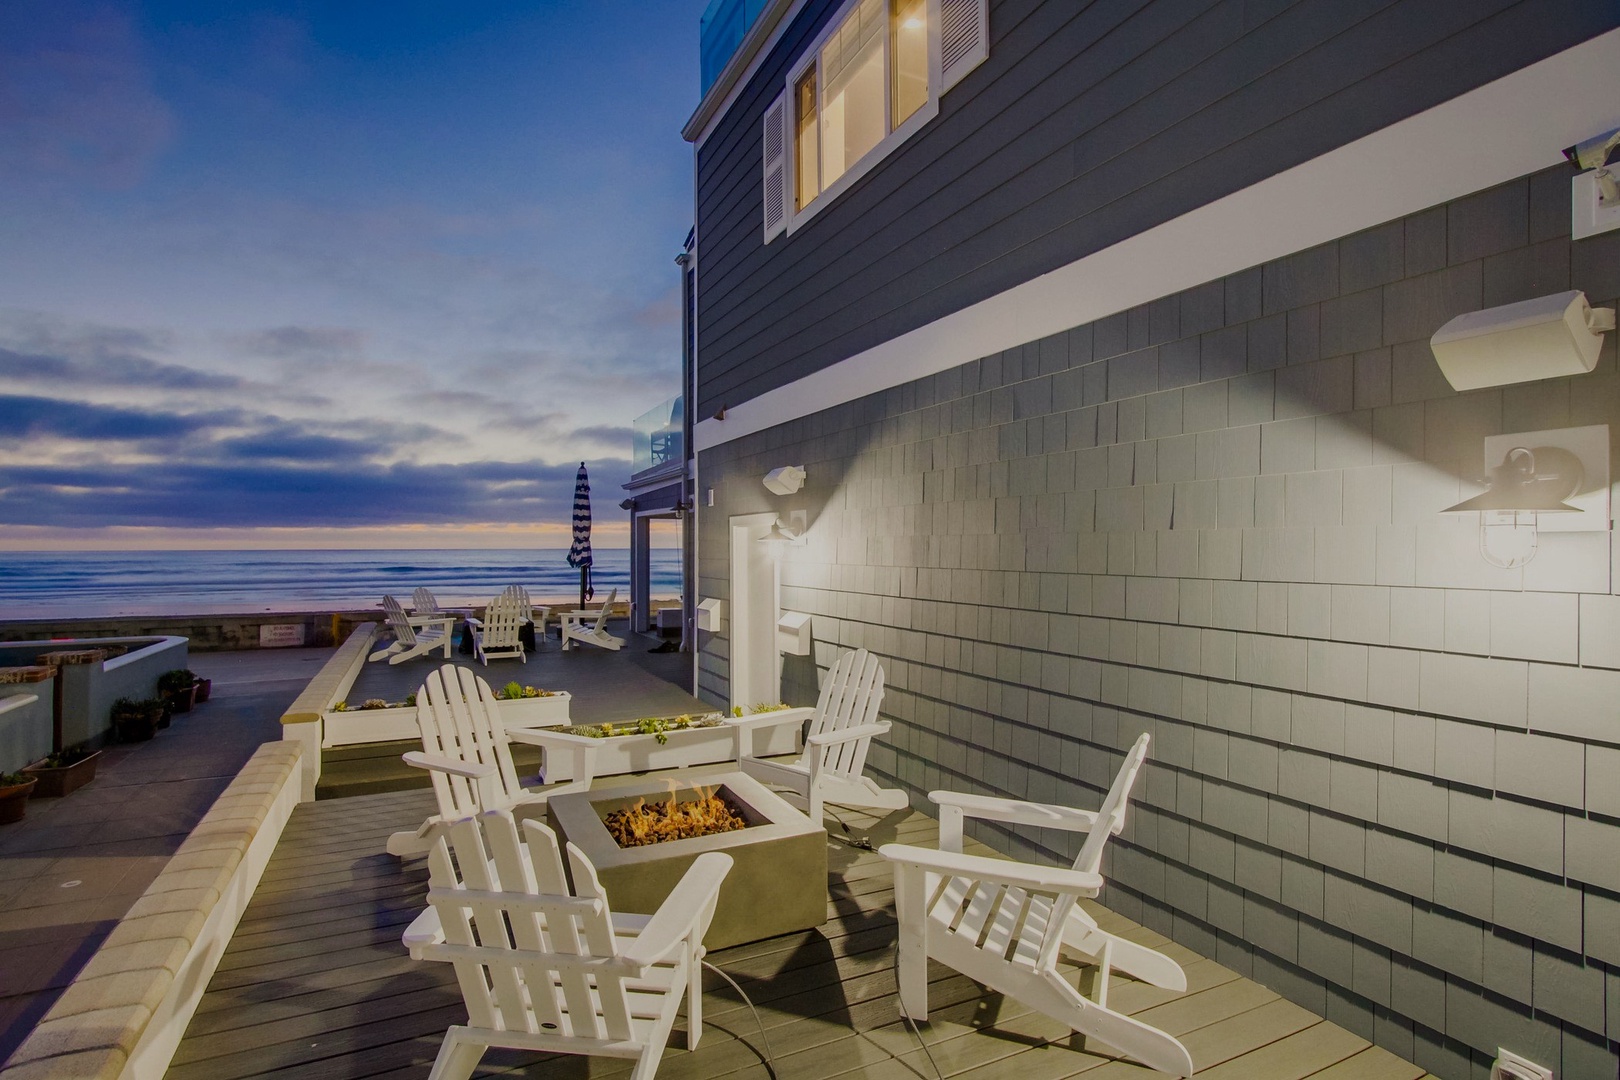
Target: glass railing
[
  {"x": 721, "y": 30},
  {"x": 659, "y": 436}
]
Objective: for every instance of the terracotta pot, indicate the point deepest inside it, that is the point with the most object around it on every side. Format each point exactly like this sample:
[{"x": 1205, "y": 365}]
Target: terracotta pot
[
  {"x": 203, "y": 687},
  {"x": 14, "y": 801},
  {"x": 55, "y": 782},
  {"x": 180, "y": 701}
]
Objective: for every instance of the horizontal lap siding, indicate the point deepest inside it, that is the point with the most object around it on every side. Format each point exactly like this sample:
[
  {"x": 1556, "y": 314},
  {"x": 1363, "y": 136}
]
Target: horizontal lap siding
[{"x": 1087, "y": 125}]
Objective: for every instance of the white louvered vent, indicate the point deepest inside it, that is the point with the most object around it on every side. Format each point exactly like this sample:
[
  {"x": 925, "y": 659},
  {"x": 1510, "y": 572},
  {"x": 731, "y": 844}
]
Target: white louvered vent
[
  {"x": 964, "y": 39},
  {"x": 775, "y": 167}
]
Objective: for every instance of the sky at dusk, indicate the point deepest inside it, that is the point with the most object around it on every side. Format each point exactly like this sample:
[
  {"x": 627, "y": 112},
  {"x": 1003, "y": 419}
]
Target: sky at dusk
[{"x": 334, "y": 274}]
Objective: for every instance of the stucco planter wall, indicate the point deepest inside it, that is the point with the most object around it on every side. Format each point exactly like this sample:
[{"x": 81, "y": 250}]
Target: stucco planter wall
[{"x": 681, "y": 749}]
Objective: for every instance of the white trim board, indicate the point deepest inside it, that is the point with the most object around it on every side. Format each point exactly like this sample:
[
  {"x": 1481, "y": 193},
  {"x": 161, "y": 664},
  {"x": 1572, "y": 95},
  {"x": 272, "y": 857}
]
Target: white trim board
[{"x": 1488, "y": 136}]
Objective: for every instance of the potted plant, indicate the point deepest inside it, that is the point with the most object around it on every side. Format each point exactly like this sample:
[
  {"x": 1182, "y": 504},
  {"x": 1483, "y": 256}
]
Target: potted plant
[
  {"x": 14, "y": 791},
  {"x": 137, "y": 721},
  {"x": 178, "y": 688},
  {"x": 204, "y": 688},
  {"x": 64, "y": 772}
]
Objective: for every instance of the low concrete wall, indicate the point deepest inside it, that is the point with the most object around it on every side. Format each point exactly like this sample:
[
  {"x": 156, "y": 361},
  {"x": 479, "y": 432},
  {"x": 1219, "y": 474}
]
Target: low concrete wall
[
  {"x": 124, "y": 1015},
  {"x": 207, "y": 633},
  {"x": 92, "y": 680},
  {"x": 25, "y": 724},
  {"x": 302, "y": 722}
]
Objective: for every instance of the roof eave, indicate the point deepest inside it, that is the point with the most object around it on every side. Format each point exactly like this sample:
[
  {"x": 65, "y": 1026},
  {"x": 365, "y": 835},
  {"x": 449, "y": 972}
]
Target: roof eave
[{"x": 714, "y": 101}]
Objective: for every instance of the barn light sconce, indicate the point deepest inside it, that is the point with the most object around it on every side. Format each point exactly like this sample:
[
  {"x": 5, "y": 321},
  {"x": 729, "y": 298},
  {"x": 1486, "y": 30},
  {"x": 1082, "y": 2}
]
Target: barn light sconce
[
  {"x": 778, "y": 535},
  {"x": 1543, "y": 481},
  {"x": 786, "y": 480},
  {"x": 1528, "y": 483}
]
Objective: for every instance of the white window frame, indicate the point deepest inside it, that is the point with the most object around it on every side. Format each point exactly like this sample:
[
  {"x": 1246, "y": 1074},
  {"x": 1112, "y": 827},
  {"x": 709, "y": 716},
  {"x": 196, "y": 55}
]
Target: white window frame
[{"x": 929, "y": 109}]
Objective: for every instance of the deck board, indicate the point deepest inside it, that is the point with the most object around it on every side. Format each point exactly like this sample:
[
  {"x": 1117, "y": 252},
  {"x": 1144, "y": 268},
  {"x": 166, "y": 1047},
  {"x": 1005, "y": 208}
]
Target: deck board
[{"x": 315, "y": 984}]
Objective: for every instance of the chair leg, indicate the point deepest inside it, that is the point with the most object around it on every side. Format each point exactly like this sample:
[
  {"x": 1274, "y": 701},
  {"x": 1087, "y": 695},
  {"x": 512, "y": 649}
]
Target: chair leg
[
  {"x": 457, "y": 1057},
  {"x": 694, "y": 1001},
  {"x": 909, "y": 903},
  {"x": 647, "y": 1063},
  {"x": 816, "y": 805}
]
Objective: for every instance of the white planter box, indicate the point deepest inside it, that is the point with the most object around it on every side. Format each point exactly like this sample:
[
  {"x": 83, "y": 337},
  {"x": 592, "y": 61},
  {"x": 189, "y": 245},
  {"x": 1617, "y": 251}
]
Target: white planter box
[
  {"x": 694, "y": 746},
  {"x": 535, "y": 711},
  {"x": 351, "y": 726}
]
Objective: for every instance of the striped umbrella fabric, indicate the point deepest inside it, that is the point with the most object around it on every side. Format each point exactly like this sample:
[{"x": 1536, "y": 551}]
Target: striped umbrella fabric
[{"x": 579, "y": 553}]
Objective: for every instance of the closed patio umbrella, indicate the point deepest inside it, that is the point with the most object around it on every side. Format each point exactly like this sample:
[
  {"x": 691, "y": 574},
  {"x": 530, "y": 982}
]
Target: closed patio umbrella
[{"x": 579, "y": 553}]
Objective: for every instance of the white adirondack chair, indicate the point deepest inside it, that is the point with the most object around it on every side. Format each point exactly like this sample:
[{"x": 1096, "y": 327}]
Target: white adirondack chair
[
  {"x": 841, "y": 729},
  {"x": 1004, "y": 923},
  {"x": 547, "y": 968},
  {"x": 467, "y": 750},
  {"x": 413, "y": 634},
  {"x": 499, "y": 633},
  {"x": 535, "y": 613},
  {"x": 575, "y": 627}
]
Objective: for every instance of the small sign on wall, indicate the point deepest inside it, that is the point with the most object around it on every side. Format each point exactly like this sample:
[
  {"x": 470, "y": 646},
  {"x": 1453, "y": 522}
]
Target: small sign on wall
[{"x": 280, "y": 635}]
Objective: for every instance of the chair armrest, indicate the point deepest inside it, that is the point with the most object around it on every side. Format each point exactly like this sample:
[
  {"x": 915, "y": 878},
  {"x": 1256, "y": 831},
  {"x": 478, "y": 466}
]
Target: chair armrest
[
  {"x": 677, "y": 917},
  {"x": 435, "y": 763},
  {"x": 425, "y": 929},
  {"x": 560, "y": 740},
  {"x": 1042, "y": 815},
  {"x": 754, "y": 721},
  {"x": 859, "y": 731},
  {"x": 476, "y": 624},
  {"x": 1003, "y": 871}
]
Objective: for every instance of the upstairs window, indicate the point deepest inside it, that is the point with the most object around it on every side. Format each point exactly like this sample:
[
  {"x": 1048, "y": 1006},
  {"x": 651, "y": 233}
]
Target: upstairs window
[{"x": 868, "y": 82}]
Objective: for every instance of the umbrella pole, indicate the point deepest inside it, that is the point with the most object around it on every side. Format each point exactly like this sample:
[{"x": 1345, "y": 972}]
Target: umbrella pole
[{"x": 582, "y": 572}]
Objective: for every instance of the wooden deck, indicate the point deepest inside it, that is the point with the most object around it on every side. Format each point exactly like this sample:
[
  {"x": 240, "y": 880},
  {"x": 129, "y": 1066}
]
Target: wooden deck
[{"x": 316, "y": 985}]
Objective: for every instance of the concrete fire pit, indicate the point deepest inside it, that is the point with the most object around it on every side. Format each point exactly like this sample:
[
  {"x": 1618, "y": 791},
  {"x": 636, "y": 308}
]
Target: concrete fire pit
[{"x": 778, "y": 881}]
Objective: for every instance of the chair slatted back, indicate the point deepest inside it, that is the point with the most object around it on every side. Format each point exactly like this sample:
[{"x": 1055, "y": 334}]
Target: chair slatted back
[
  {"x": 1111, "y": 816},
  {"x": 424, "y": 602},
  {"x": 607, "y": 608},
  {"x": 459, "y": 720},
  {"x": 503, "y": 619},
  {"x": 850, "y": 697},
  {"x": 528, "y": 952},
  {"x": 399, "y": 622}
]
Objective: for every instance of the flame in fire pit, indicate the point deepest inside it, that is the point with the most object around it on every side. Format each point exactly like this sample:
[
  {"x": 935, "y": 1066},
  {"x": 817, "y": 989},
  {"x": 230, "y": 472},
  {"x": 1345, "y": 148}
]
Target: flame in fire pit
[{"x": 653, "y": 823}]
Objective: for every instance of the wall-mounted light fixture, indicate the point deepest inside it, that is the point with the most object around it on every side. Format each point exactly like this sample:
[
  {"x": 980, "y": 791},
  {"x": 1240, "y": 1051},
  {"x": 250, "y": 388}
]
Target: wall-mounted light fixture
[
  {"x": 1539, "y": 481},
  {"x": 785, "y": 480},
  {"x": 1528, "y": 483},
  {"x": 778, "y": 535},
  {"x": 1544, "y": 338}
]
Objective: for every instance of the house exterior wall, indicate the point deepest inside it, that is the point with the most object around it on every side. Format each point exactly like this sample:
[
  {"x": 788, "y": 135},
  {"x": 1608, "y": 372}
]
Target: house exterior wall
[
  {"x": 1385, "y": 776},
  {"x": 1087, "y": 124}
]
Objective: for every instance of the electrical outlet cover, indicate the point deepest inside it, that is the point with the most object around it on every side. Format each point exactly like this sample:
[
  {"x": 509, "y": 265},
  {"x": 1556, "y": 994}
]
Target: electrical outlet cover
[
  {"x": 1510, "y": 1066},
  {"x": 1586, "y": 217}
]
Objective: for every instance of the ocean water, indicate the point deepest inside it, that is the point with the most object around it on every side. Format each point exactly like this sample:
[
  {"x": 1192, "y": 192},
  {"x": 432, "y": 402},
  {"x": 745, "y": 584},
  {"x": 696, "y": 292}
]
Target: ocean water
[{"x": 92, "y": 584}]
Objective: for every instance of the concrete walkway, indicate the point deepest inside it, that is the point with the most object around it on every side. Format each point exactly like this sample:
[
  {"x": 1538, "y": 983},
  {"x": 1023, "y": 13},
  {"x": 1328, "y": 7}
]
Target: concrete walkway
[{"x": 72, "y": 868}]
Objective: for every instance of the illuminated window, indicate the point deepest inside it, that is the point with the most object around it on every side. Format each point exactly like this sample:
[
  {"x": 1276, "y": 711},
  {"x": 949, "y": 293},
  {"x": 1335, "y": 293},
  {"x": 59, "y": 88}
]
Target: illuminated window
[{"x": 869, "y": 81}]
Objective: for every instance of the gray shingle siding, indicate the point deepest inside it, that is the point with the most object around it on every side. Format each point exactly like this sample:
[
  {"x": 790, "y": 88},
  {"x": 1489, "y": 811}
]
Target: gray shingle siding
[{"x": 1383, "y": 775}]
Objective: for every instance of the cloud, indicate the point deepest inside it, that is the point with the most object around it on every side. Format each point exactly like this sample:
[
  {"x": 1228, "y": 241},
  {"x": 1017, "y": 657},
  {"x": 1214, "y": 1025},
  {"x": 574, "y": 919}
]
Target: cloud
[
  {"x": 32, "y": 417},
  {"x": 303, "y": 342},
  {"x": 216, "y": 495},
  {"x": 287, "y": 443},
  {"x": 76, "y": 98},
  {"x": 607, "y": 434},
  {"x": 110, "y": 370}
]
